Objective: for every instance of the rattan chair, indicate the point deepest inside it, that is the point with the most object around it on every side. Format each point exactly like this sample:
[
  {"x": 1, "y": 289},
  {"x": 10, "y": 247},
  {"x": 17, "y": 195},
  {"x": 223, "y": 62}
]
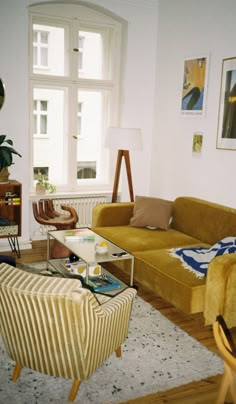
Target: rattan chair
[
  {"x": 227, "y": 351},
  {"x": 56, "y": 327}
]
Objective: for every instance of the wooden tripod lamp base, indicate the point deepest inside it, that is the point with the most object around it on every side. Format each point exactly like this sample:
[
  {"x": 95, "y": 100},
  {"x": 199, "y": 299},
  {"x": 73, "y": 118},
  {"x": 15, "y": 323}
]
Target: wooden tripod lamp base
[
  {"x": 125, "y": 154},
  {"x": 123, "y": 140}
]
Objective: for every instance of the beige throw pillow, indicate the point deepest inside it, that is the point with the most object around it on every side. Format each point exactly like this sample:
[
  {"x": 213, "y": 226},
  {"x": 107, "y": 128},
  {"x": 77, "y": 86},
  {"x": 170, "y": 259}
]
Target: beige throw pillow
[{"x": 151, "y": 212}]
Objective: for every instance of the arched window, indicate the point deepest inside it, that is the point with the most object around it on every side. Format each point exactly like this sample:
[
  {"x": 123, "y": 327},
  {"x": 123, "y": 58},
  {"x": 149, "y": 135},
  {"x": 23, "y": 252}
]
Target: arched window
[{"x": 74, "y": 81}]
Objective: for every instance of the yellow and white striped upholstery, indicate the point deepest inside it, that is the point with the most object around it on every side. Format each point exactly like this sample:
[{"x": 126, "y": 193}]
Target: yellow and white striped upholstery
[{"x": 54, "y": 326}]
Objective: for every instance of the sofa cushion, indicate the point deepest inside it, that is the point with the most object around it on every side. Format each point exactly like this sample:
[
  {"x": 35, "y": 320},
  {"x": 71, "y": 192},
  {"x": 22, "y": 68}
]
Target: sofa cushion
[
  {"x": 206, "y": 221},
  {"x": 152, "y": 212},
  {"x": 167, "y": 277},
  {"x": 141, "y": 239}
]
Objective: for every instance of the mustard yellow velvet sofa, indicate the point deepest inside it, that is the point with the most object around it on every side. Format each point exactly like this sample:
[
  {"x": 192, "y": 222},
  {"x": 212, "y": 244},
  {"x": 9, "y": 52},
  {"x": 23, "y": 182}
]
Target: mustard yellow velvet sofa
[{"x": 195, "y": 222}]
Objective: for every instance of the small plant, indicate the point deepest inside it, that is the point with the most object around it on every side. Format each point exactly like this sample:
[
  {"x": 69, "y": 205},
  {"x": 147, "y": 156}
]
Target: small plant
[
  {"x": 44, "y": 183},
  {"x": 6, "y": 152}
]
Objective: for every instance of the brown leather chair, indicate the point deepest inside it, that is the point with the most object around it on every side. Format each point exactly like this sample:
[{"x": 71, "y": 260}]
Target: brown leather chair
[{"x": 45, "y": 213}]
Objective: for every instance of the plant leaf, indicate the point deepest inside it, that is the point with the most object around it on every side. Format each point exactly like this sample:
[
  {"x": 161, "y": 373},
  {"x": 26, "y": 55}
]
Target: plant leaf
[
  {"x": 10, "y": 150},
  {"x": 6, "y": 156},
  {"x": 2, "y": 138}
]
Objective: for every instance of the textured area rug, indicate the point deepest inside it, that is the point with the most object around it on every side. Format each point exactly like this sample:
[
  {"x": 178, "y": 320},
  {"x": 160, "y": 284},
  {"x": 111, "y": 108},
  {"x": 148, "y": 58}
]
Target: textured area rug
[{"x": 156, "y": 356}]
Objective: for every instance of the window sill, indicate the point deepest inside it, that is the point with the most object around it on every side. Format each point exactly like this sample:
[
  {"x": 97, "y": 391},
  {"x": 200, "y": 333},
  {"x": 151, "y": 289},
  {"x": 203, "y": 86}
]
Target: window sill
[{"x": 58, "y": 195}]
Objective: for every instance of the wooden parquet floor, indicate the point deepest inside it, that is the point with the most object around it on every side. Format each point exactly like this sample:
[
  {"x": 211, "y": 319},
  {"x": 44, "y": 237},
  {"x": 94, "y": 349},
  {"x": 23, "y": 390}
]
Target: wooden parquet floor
[{"x": 205, "y": 391}]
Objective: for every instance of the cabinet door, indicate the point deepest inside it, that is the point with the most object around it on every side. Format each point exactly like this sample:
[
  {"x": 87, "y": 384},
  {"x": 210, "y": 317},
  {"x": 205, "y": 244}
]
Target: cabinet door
[{"x": 10, "y": 209}]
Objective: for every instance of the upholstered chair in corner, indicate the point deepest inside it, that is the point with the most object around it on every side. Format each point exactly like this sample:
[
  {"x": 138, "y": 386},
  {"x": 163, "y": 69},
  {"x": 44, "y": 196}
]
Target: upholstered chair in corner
[
  {"x": 56, "y": 327},
  {"x": 227, "y": 350}
]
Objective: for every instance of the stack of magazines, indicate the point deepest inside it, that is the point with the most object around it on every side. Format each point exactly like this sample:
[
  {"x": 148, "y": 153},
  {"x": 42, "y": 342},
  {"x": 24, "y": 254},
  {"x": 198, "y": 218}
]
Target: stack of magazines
[{"x": 104, "y": 283}]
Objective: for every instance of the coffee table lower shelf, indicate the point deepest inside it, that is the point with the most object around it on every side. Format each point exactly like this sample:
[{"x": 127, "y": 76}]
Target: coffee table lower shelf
[{"x": 57, "y": 267}]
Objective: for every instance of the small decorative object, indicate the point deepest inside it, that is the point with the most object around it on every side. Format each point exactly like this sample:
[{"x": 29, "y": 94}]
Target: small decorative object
[
  {"x": 6, "y": 157},
  {"x": 226, "y": 138},
  {"x": 101, "y": 248},
  {"x": 44, "y": 185},
  {"x": 81, "y": 269}
]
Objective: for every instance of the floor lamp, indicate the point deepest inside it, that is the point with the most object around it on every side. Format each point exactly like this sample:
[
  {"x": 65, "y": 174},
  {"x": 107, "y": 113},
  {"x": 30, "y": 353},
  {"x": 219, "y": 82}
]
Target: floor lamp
[{"x": 123, "y": 140}]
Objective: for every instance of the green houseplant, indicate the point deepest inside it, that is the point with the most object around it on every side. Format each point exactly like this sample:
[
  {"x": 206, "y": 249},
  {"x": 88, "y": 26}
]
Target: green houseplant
[
  {"x": 6, "y": 157},
  {"x": 44, "y": 185}
]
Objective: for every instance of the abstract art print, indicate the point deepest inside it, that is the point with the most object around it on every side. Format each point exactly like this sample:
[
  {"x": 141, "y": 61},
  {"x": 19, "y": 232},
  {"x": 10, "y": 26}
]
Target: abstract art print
[
  {"x": 194, "y": 86},
  {"x": 226, "y": 136}
]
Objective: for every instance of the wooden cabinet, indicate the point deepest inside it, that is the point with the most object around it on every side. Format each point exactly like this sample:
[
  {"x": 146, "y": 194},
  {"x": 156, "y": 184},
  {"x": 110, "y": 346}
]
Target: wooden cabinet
[{"x": 10, "y": 209}]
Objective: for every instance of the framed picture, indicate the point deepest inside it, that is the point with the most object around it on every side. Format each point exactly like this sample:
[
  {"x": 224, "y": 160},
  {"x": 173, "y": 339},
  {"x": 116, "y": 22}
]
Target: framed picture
[
  {"x": 194, "y": 86},
  {"x": 197, "y": 142},
  {"x": 226, "y": 133}
]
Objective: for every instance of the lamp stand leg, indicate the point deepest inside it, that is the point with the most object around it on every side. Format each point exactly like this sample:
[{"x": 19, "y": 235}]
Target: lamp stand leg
[
  {"x": 129, "y": 176},
  {"x": 117, "y": 176}
]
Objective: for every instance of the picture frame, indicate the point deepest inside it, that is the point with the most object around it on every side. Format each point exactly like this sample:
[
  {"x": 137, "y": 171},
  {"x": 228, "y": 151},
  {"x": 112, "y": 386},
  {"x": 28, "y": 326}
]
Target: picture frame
[
  {"x": 226, "y": 131},
  {"x": 194, "y": 86},
  {"x": 197, "y": 142}
]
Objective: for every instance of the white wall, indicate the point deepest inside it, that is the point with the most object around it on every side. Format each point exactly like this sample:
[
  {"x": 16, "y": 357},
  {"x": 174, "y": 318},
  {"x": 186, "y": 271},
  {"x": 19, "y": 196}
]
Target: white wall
[
  {"x": 138, "y": 91},
  {"x": 14, "y": 114},
  {"x": 190, "y": 28}
]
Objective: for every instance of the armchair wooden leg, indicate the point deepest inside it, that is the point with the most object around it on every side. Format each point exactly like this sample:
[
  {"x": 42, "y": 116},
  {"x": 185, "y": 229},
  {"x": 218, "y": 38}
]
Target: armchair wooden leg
[
  {"x": 118, "y": 352},
  {"x": 74, "y": 390},
  {"x": 16, "y": 372},
  {"x": 224, "y": 387}
]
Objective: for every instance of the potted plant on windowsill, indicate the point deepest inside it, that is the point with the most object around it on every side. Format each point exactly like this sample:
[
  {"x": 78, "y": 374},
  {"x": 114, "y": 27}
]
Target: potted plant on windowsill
[
  {"x": 43, "y": 185},
  {"x": 6, "y": 157}
]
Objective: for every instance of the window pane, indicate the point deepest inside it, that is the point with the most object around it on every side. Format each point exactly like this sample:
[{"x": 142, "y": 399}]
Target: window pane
[
  {"x": 90, "y": 57},
  {"x": 43, "y": 125},
  {"x": 49, "y": 46},
  {"x": 43, "y": 105},
  {"x": 90, "y": 128},
  {"x": 51, "y": 150},
  {"x": 44, "y": 37},
  {"x": 44, "y": 57},
  {"x": 39, "y": 172},
  {"x": 35, "y": 125}
]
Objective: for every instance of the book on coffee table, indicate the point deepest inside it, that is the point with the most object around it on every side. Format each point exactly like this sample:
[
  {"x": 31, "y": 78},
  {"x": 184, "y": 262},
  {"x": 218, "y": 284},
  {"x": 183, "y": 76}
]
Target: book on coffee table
[{"x": 104, "y": 283}]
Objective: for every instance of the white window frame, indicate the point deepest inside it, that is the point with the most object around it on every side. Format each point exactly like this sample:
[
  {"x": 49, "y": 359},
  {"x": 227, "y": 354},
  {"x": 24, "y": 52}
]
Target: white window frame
[{"x": 110, "y": 85}]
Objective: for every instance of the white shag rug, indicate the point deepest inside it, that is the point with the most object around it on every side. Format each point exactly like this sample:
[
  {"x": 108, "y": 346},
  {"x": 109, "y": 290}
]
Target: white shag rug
[{"x": 156, "y": 356}]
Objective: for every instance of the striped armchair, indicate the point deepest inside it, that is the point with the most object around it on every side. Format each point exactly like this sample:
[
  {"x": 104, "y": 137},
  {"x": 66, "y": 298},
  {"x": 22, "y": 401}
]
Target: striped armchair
[{"x": 54, "y": 326}]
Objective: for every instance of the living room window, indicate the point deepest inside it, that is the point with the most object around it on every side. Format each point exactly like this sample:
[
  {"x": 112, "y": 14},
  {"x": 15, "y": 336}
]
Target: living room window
[{"x": 74, "y": 82}]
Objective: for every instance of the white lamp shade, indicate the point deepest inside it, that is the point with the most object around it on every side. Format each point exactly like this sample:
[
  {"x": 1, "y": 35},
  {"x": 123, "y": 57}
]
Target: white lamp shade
[{"x": 124, "y": 139}]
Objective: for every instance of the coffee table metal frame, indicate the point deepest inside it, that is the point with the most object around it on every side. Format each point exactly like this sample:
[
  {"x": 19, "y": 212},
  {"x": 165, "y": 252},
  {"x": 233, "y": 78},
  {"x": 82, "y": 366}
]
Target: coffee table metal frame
[{"x": 85, "y": 249}]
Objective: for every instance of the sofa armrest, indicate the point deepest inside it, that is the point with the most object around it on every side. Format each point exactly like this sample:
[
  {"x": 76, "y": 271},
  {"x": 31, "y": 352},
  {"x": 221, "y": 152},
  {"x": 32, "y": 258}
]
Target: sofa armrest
[
  {"x": 220, "y": 295},
  {"x": 112, "y": 214}
]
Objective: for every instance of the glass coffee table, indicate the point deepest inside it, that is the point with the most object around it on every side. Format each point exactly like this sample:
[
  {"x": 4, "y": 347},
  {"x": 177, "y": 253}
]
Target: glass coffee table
[{"x": 82, "y": 243}]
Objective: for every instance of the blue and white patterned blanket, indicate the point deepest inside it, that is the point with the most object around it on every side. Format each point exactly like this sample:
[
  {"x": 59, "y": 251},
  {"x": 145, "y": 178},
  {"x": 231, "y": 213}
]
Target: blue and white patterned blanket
[{"x": 197, "y": 259}]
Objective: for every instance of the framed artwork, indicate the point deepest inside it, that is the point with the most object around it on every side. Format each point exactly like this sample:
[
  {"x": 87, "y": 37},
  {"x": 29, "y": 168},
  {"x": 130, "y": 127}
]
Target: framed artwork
[
  {"x": 226, "y": 132},
  {"x": 197, "y": 142},
  {"x": 194, "y": 86}
]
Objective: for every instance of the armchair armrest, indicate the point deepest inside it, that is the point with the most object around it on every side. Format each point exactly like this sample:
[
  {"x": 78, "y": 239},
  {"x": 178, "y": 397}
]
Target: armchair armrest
[
  {"x": 101, "y": 328},
  {"x": 220, "y": 295},
  {"x": 112, "y": 214}
]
